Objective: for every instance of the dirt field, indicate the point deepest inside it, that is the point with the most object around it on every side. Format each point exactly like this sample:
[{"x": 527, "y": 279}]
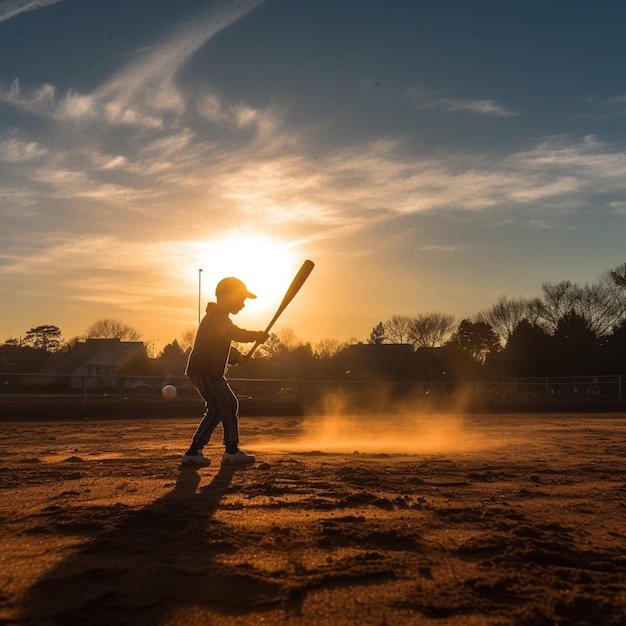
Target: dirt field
[{"x": 428, "y": 519}]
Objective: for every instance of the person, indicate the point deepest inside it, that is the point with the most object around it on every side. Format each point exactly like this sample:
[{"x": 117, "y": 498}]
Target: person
[{"x": 210, "y": 356}]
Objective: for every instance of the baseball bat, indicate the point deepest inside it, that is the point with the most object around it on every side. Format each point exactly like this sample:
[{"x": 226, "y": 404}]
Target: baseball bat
[{"x": 296, "y": 283}]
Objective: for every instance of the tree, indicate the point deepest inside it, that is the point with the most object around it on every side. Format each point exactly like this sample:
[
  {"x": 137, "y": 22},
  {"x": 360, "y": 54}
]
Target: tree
[
  {"x": 397, "y": 329},
  {"x": 46, "y": 337},
  {"x": 289, "y": 339},
  {"x": 430, "y": 330},
  {"x": 505, "y": 315},
  {"x": 272, "y": 347},
  {"x": 602, "y": 304},
  {"x": 555, "y": 302},
  {"x": 613, "y": 351},
  {"x": 283, "y": 341},
  {"x": 173, "y": 359},
  {"x": 187, "y": 339},
  {"x": 377, "y": 335},
  {"x": 477, "y": 339},
  {"x": 575, "y": 343},
  {"x": 528, "y": 351},
  {"x": 326, "y": 348},
  {"x": 110, "y": 328},
  {"x": 619, "y": 275}
]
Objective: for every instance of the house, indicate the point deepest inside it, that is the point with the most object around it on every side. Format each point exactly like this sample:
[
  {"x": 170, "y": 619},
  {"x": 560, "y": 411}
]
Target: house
[{"x": 94, "y": 363}]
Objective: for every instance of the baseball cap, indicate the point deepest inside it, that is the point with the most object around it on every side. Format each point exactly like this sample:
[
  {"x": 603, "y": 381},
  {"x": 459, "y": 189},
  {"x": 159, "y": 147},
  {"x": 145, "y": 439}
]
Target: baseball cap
[{"x": 228, "y": 285}]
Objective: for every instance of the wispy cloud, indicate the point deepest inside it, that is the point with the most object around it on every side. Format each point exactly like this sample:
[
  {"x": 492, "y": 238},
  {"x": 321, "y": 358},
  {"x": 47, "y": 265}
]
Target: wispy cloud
[
  {"x": 204, "y": 163},
  {"x": 585, "y": 164},
  {"x": 145, "y": 92},
  {"x": 604, "y": 108},
  {"x": 616, "y": 100},
  {"x": 11, "y": 8},
  {"x": 427, "y": 99},
  {"x": 37, "y": 100},
  {"x": 619, "y": 206},
  {"x": 15, "y": 150}
]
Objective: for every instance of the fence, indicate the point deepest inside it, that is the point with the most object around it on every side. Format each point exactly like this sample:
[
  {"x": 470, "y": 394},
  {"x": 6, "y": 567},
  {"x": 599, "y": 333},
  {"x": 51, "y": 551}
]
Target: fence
[{"x": 89, "y": 389}]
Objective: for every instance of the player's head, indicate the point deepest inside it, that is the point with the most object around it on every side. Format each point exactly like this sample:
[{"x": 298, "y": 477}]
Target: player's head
[{"x": 232, "y": 293}]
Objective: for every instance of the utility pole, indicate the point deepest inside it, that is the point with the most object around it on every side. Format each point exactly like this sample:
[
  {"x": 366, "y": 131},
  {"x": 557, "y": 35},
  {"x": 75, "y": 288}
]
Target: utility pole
[{"x": 199, "y": 292}]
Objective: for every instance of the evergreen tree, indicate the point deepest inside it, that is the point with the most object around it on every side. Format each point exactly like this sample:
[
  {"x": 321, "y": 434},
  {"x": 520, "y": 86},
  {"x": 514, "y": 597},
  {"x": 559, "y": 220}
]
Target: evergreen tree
[{"x": 377, "y": 335}]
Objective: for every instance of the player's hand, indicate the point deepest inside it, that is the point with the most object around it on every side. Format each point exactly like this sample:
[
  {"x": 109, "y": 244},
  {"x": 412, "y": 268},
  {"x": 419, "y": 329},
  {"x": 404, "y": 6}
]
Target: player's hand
[{"x": 262, "y": 336}]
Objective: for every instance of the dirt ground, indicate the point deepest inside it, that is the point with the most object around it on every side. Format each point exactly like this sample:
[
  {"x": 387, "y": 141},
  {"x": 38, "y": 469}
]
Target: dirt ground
[{"x": 428, "y": 519}]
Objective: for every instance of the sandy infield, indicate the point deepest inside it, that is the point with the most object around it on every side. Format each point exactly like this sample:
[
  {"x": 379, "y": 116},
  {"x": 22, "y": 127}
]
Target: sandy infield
[{"x": 429, "y": 519}]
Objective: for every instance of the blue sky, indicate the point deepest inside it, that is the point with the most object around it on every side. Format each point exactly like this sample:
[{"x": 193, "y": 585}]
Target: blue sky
[{"x": 428, "y": 156}]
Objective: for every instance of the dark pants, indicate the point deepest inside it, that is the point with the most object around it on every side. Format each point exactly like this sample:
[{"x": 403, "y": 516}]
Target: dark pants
[{"x": 221, "y": 405}]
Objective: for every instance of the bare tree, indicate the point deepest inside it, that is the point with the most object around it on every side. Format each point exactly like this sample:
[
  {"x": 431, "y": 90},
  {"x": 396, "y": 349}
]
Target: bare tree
[
  {"x": 327, "y": 347},
  {"x": 282, "y": 341},
  {"x": 619, "y": 275},
  {"x": 602, "y": 304},
  {"x": 187, "y": 339},
  {"x": 398, "y": 329},
  {"x": 555, "y": 302},
  {"x": 430, "y": 330},
  {"x": 288, "y": 338},
  {"x": 505, "y": 315},
  {"x": 110, "y": 328}
]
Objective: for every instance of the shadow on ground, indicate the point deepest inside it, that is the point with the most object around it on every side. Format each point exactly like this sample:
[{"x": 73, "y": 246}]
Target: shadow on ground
[{"x": 146, "y": 565}]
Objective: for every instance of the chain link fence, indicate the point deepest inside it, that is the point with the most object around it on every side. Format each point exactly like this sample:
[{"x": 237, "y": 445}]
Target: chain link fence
[{"x": 278, "y": 395}]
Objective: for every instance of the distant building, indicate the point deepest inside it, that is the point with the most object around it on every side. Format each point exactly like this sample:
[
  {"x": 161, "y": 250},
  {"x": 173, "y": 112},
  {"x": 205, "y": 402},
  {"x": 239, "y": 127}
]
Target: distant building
[{"x": 94, "y": 362}]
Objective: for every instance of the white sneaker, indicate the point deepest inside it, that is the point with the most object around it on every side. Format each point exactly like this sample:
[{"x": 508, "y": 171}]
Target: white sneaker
[
  {"x": 195, "y": 459},
  {"x": 237, "y": 458}
]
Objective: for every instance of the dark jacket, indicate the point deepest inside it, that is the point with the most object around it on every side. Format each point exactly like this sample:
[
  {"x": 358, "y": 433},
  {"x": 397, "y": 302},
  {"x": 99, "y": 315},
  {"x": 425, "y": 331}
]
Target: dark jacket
[{"x": 212, "y": 350}]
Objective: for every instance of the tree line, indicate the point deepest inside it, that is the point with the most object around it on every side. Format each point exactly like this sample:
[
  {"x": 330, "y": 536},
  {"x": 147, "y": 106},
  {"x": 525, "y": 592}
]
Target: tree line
[{"x": 567, "y": 329}]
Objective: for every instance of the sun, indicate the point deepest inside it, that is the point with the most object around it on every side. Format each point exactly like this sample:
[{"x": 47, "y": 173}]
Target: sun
[{"x": 266, "y": 265}]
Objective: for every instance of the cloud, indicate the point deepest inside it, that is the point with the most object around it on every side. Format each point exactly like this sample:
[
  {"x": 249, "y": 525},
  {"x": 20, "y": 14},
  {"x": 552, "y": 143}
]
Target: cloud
[
  {"x": 244, "y": 164},
  {"x": 145, "y": 92},
  {"x": 38, "y": 100},
  {"x": 146, "y": 89},
  {"x": 426, "y": 99},
  {"x": 15, "y": 150},
  {"x": 11, "y": 8},
  {"x": 557, "y": 171},
  {"x": 616, "y": 100},
  {"x": 568, "y": 167},
  {"x": 619, "y": 206},
  {"x": 103, "y": 270}
]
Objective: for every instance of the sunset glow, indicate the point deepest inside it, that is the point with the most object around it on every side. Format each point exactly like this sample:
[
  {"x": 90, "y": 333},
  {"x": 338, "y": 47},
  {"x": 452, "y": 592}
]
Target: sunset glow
[
  {"x": 266, "y": 266},
  {"x": 428, "y": 157}
]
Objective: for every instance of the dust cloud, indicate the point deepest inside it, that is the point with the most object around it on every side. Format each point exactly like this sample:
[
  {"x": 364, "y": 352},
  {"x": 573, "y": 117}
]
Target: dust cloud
[{"x": 383, "y": 426}]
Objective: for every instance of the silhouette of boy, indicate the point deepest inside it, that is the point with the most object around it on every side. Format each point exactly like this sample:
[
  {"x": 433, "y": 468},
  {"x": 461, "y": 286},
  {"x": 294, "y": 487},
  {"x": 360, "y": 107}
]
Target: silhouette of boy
[{"x": 211, "y": 354}]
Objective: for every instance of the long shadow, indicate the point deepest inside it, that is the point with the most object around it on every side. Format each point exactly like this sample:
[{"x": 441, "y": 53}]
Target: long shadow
[{"x": 147, "y": 565}]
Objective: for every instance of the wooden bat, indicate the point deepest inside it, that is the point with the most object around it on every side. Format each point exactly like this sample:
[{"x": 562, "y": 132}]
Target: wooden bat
[{"x": 296, "y": 283}]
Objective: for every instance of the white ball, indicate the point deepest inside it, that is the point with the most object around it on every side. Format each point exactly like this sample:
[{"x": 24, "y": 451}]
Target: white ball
[{"x": 168, "y": 392}]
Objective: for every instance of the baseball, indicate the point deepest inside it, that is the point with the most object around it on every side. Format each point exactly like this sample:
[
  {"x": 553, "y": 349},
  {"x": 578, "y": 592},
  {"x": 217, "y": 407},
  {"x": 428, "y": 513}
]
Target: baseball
[{"x": 168, "y": 392}]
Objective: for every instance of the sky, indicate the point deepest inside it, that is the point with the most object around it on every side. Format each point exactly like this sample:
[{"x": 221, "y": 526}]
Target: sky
[{"x": 427, "y": 155}]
